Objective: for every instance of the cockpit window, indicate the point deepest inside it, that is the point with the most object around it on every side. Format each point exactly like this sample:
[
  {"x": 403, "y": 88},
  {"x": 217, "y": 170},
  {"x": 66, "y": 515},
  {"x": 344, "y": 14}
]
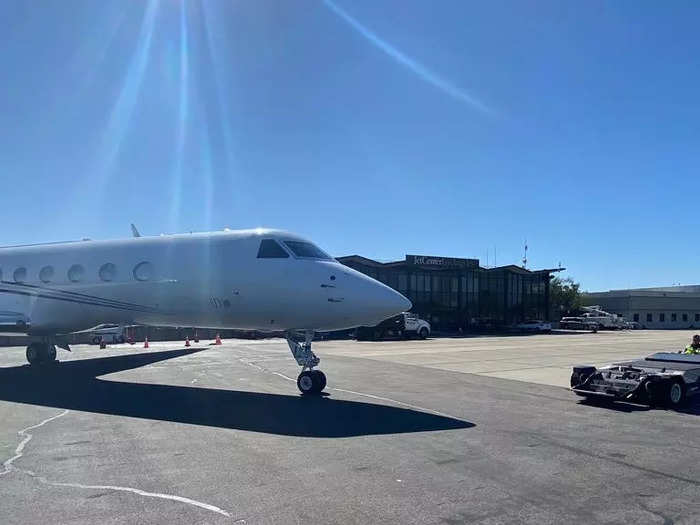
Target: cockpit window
[
  {"x": 270, "y": 249},
  {"x": 306, "y": 249}
]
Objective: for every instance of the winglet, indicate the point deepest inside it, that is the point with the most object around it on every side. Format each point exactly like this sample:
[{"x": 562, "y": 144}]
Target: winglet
[{"x": 134, "y": 231}]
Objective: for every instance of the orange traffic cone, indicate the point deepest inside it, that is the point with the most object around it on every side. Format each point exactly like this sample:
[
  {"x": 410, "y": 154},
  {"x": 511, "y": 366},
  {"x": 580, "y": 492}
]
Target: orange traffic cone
[
  {"x": 187, "y": 340},
  {"x": 145, "y": 343},
  {"x": 218, "y": 340}
]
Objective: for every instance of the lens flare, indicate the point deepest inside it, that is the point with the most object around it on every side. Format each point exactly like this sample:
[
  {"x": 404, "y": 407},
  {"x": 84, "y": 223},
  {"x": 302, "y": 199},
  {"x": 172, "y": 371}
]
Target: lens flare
[
  {"x": 182, "y": 120},
  {"x": 123, "y": 108},
  {"x": 417, "y": 68}
]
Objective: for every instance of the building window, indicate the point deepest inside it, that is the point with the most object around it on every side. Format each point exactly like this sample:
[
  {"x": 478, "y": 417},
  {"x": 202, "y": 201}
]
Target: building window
[
  {"x": 403, "y": 282},
  {"x": 649, "y": 318},
  {"x": 662, "y": 318},
  {"x": 20, "y": 274},
  {"x": 685, "y": 318},
  {"x": 636, "y": 318},
  {"x": 143, "y": 271},
  {"x": 674, "y": 318},
  {"x": 75, "y": 273},
  {"x": 46, "y": 274},
  {"x": 108, "y": 272}
]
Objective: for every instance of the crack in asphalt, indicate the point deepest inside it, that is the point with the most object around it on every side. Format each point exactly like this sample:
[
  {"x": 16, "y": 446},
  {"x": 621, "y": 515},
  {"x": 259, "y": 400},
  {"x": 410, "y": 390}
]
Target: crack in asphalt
[
  {"x": 27, "y": 437},
  {"x": 19, "y": 450}
]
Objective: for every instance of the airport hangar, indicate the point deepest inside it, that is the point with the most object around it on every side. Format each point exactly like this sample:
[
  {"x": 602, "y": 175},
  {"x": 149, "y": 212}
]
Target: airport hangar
[
  {"x": 658, "y": 308},
  {"x": 453, "y": 293}
]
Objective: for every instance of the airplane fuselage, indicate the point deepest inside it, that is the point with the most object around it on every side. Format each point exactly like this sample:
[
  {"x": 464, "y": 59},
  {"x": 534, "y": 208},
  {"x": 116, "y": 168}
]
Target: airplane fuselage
[{"x": 213, "y": 280}]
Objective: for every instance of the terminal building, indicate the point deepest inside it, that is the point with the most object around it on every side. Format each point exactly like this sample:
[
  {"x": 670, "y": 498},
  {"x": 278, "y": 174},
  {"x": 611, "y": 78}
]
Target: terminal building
[
  {"x": 665, "y": 307},
  {"x": 455, "y": 294}
]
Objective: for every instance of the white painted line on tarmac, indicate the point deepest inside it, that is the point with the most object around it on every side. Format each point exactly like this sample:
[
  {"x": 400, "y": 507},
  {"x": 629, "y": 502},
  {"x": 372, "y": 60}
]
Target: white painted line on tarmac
[
  {"x": 415, "y": 407},
  {"x": 144, "y": 493},
  {"x": 364, "y": 394}
]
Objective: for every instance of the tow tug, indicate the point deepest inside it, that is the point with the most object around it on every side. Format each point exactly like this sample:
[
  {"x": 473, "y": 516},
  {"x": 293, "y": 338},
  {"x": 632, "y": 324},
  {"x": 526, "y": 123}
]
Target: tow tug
[{"x": 661, "y": 379}]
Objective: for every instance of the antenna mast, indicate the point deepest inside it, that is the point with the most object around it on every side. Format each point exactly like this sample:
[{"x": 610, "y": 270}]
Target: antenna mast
[{"x": 525, "y": 256}]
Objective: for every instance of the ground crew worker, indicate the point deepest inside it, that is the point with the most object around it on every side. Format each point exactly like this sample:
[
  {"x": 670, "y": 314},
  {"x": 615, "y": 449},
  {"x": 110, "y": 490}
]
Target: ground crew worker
[{"x": 694, "y": 347}]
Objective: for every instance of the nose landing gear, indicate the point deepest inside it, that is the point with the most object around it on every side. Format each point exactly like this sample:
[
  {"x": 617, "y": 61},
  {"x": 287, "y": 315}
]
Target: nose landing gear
[
  {"x": 40, "y": 353},
  {"x": 309, "y": 381}
]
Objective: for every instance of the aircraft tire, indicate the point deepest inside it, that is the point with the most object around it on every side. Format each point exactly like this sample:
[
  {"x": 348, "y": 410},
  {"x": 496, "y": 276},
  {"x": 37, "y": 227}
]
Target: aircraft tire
[
  {"x": 305, "y": 382},
  {"x": 34, "y": 353},
  {"x": 320, "y": 380},
  {"x": 311, "y": 381},
  {"x": 50, "y": 353}
]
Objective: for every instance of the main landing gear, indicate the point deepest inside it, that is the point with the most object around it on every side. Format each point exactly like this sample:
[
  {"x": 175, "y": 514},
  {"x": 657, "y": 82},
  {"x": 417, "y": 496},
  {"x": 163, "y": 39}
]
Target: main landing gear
[
  {"x": 41, "y": 352},
  {"x": 310, "y": 381}
]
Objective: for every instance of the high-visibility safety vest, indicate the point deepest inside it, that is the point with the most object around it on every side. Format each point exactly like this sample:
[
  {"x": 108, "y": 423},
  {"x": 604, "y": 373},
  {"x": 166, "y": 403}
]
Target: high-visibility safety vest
[{"x": 690, "y": 350}]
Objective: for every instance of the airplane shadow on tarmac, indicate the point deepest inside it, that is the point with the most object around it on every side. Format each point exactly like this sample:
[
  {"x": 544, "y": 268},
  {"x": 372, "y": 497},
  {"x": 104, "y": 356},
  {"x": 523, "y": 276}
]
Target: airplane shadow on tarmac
[{"x": 75, "y": 385}]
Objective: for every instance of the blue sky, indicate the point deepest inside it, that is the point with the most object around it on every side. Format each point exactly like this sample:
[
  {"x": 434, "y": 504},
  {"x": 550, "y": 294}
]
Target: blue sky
[{"x": 373, "y": 127}]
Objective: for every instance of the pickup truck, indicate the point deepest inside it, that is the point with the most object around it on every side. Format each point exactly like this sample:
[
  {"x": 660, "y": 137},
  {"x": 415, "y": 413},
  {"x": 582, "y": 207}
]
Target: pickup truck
[
  {"x": 578, "y": 323},
  {"x": 403, "y": 325}
]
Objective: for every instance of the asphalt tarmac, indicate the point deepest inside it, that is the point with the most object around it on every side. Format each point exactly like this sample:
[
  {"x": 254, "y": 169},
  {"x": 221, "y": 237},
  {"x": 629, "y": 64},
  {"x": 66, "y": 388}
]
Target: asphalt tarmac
[{"x": 219, "y": 434}]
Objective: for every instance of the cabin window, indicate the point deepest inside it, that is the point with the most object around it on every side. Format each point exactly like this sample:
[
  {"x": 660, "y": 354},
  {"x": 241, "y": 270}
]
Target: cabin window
[
  {"x": 46, "y": 274},
  {"x": 108, "y": 272},
  {"x": 306, "y": 249},
  {"x": 76, "y": 273},
  {"x": 143, "y": 271},
  {"x": 270, "y": 249},
  {"x": 20, "y": 274},
  {"x": 674, "y": 317}
]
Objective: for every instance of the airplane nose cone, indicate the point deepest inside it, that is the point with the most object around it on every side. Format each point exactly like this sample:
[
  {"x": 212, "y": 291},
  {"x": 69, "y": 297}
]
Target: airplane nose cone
[
  {"x": 392, "y": 302},
  {"x": 403, "y": 303}
]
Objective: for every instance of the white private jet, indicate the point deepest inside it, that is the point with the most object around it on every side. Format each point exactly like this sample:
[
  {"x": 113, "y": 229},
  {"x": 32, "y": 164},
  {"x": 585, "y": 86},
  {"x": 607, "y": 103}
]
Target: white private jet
[{"x": 260, "y": 279}]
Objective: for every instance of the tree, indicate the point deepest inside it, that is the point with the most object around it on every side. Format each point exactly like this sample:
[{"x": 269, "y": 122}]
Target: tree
[{"x": 565, "y": 296}]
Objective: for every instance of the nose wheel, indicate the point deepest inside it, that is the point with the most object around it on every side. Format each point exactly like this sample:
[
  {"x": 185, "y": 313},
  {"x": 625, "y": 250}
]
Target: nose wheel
[{"x": 310, "y": 381}]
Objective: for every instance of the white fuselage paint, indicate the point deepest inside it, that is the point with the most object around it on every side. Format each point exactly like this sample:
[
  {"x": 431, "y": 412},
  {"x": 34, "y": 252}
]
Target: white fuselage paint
[{"x": 207, "y": 280}]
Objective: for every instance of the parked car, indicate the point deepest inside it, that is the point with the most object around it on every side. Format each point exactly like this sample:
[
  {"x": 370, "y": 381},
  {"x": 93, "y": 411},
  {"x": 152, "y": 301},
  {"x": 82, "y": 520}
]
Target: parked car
[
  {"x": 535, "y": 326},
  {"x": 578, "y": 323}
]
